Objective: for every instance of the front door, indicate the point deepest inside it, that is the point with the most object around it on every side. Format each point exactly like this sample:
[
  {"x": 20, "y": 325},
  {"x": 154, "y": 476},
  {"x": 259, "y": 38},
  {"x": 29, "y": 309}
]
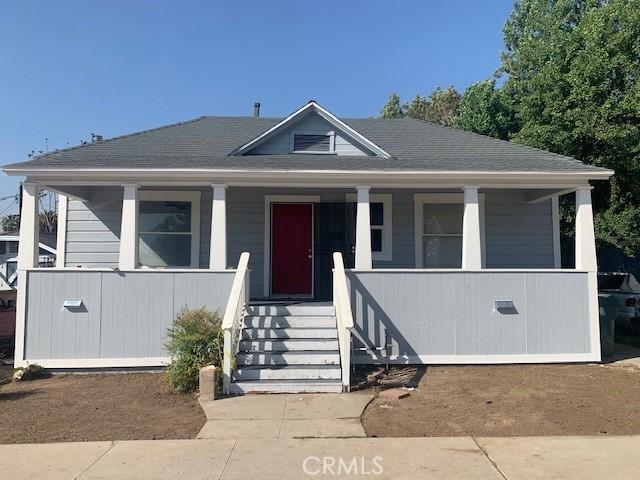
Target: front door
[{"x": 292, "y": 249}]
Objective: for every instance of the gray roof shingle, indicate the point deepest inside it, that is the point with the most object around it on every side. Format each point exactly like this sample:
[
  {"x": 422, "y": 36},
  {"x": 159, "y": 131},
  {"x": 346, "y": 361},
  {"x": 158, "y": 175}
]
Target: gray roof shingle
[{"x": 206, "y": 142}]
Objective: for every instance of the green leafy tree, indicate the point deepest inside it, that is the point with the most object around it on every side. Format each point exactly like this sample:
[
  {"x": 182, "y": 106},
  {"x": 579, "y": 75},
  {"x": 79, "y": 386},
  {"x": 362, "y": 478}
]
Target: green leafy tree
[
  {"x": 417, "y": 108},
  {"x": 442, "y": 107},
  {"x": 484, "y": 109},
  {"x": 572, "y": 69},
  {"x": 393, "y": 108},
  {"x": 48, "y": 222}
]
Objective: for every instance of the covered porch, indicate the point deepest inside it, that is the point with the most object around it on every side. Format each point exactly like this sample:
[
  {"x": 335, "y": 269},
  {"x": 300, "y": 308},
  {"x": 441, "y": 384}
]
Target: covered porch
[{"x": 444, "y": 272}]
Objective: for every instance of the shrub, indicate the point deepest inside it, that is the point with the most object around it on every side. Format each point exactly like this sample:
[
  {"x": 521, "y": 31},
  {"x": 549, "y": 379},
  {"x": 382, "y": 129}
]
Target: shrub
[{"x": 195, "y": 341}]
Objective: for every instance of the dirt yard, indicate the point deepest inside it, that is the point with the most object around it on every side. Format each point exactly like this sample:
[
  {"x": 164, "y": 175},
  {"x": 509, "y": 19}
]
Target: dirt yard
[
  {"x": 66, "y": 408},
  {"x": 513, "y": 400}
]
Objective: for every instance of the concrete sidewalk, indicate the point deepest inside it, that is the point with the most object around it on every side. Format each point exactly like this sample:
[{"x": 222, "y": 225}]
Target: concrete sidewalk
[
  {"x": 307, "y": 415},
  {"x": 433, "y": 458}
]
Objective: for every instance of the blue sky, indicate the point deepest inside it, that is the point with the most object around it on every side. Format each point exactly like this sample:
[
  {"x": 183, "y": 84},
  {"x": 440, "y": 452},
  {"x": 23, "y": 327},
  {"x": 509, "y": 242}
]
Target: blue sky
[{"x": 70, "y": 68}]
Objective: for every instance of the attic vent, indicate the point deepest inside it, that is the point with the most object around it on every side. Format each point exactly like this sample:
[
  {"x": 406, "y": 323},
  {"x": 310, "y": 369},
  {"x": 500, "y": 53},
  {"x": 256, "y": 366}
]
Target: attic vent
[{"x": 311, "y": 143}]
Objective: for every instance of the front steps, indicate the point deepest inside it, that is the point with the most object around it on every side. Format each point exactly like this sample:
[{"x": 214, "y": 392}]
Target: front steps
[{"x": 288, "y": 349}]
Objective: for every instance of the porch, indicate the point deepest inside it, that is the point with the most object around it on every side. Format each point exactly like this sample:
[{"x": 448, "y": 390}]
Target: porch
[{"x": 455, "y": 274}]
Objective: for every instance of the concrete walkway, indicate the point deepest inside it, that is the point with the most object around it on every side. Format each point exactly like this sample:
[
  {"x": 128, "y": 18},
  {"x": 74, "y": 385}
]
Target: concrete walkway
[
  {"x": 285, "y": 416},
  {"x": 463, "y": 458}
]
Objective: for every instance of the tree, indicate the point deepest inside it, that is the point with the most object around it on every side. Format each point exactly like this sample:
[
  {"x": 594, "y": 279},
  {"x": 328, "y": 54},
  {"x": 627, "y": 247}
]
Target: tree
[
  {"x": 572, "y": 74},
  {"x": 486, "y": 110},
  {"x": 392, "y": 109},
  {"x": 48, "y": 222},
  {"x": 442, "y": 107},
  {"x": 416, "y": 108}
]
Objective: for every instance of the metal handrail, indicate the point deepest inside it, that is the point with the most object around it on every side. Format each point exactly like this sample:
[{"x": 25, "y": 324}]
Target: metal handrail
[
  {"x": 233, "y": 316},
  {"x": 344, "y": 318}
]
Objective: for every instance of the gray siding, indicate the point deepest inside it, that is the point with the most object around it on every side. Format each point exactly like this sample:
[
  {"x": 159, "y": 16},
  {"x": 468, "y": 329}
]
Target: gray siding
[
  {"x": 429, "y": 313},
  {"x": 123, "y": 315},
  {"x": 517, "y": 234},
  {"x": 314, "y": 125},
  {"x": 93, "y": 229}
]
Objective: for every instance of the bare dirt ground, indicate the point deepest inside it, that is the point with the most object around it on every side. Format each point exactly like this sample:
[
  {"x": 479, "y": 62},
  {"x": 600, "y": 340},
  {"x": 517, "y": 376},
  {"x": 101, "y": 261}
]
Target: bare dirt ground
[
  {"x": 66, "y": 408},
  {"x": 513, "y": 400}
]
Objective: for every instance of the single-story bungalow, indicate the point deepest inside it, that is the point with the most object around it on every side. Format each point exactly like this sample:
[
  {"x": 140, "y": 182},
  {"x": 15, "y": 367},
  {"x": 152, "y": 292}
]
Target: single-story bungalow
[{"x": 323, "y": 242}]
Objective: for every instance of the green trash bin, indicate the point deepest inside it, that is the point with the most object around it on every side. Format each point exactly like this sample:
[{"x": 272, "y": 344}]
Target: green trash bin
[{"x": 608, "y": 309}]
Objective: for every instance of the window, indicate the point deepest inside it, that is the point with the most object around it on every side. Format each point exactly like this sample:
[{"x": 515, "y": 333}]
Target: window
[
  {"x": 438, "y": 227},
  {"x": 380, "y": 217},
  {"x": 306, "y": 143},
  {"x": 169, "y": 229}
]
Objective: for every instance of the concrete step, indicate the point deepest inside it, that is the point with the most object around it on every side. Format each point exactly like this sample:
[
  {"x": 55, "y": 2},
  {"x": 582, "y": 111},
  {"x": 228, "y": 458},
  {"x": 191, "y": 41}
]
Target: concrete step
[
  {"x": 287, "y": 333},
  {"x": 302, "y": 372},
  {"x": 281, "y": 321},
  {"x": 320, "y": 310},
  {"x": 288, "y": 358},
  {"x": 289, "y": 345},
  {"x": 287, "y": 386}
]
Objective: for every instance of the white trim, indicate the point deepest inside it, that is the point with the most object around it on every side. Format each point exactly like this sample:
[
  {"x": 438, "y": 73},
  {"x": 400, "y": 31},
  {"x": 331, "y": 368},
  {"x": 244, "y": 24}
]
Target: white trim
[
  {"x": 417, "y": 178},
  {"x": 61, "y": 239},
  {"x": 21, "y": 318},
  {"x": 482, "y": 359},
  {"x": 420, "y": 199},
  {"x": 302, "y": 111},
  {"x": 387, "y": 228},
  {"x": 594, "y": 314},
  {"x": 130, "y": 270},
  {"x": 458, "y": 270},
  {"x": 555, "y": 219},
  {"x": 268, "y": 200},
  {"x": 98, "y": 362},
  {"x": 179, "y": 196}
]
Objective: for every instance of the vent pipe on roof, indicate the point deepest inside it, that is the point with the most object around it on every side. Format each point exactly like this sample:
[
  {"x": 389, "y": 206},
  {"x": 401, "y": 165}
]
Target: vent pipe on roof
[{"x": 256, "y": 109}]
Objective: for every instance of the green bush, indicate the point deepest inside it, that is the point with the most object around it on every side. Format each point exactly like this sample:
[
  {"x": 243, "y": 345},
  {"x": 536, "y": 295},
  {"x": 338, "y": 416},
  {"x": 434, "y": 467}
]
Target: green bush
[{"x": 195, "y": 341}]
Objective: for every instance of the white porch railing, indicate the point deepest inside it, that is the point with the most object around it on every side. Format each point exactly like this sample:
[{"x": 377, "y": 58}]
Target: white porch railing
[
  {"x": 233, "y": 315},
  {"x": 344, "y": 318}
]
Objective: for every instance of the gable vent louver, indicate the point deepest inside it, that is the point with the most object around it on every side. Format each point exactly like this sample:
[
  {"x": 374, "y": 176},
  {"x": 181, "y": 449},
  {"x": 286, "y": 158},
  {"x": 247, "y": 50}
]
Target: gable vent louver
[{"x": 311, "y": 143}]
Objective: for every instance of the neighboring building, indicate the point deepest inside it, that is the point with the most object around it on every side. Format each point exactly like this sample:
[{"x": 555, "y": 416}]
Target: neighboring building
[
  {"x": 451, "y": 243},
  {"x": 9, "y": 260}
]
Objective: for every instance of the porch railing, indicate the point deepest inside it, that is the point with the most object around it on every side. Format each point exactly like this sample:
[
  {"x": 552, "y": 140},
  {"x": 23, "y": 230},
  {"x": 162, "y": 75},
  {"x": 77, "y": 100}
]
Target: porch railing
[
  {"x": 233, "y": 315},
  {"x": 344, "y": 318}
]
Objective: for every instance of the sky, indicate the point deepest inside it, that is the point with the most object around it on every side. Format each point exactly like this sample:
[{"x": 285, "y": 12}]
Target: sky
[{"x": 111, "y": 67}]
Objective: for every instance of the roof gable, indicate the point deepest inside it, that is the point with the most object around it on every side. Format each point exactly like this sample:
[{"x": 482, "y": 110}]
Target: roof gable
[{"x": 311, "y": 119}]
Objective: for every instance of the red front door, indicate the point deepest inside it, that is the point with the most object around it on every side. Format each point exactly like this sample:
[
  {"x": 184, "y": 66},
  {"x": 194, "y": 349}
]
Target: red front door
[{"x": 291, "y": 248}]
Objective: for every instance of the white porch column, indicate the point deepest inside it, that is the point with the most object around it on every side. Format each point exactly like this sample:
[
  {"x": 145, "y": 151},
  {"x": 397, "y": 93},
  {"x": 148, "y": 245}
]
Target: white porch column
[
  {"x": 585, "y": 236},
  {"x": 28, "y": 250},
  {"x": 129, "y": 228},
  {"x": 471, "y": 240},
  {"x": 218, "y": 246},
  {"x": 363, "y": 230},
  {"x": 61, "y": 238},
  {"x": 29, "y": 227}
]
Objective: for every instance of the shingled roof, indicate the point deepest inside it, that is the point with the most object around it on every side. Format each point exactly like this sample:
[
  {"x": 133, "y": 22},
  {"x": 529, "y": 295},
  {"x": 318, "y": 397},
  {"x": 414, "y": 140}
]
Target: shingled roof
[{"x": 207, "y": 143}]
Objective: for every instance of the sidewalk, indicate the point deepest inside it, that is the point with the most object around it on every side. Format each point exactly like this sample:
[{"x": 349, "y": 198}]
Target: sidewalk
[{"x": 463, "y": 458}]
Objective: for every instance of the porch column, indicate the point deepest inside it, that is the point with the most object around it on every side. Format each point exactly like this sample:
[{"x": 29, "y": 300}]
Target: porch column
[
  {"x": 129, "y": 228},
  {"x": 28, "y": 250},
  {"x": 218, "y": 245},
  {"x": 471, "y": 243},
  {"x": 363, "y": 230},
  {"x": 29, "y": 227},
  {"x": 585, "y": 236}
]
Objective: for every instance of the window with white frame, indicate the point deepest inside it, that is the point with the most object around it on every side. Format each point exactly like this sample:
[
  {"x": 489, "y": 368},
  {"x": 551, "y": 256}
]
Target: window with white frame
[
  {"x": 168, "y": 229},
  {"x": 380, "y": 218},
  {"x": 438, "y": 227}
]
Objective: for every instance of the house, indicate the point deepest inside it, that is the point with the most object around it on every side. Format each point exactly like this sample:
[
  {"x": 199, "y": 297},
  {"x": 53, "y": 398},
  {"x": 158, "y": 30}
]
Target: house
[
  {"x": 9, "y": 260},
  {"x": 9, "y": 282},
  {"x": 323, "y": 241}
]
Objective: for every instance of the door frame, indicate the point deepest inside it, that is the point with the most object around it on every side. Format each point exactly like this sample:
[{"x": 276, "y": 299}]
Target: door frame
[{"x": 268, "y": 201}]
